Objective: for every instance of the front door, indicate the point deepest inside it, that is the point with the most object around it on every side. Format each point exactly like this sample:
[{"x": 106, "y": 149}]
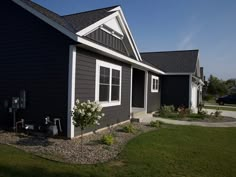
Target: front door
[{"x": 138, "y": 88}]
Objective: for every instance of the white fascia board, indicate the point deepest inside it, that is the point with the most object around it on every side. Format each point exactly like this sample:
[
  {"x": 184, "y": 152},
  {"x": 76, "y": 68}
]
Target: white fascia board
[
  {"x": 128, "y": 29},
  {"x": 119, "y": 56},
  {"x": 47, "y": 20},
  {"x": 120, "y": 17},
  {"x": 178, "y": 73}
]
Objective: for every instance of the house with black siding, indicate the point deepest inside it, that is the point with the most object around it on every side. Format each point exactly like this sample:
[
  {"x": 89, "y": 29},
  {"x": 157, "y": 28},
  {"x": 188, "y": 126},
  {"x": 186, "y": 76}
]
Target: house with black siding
[
  {"x": 183, "y": 80},
  {"x": 58, "y": 59}
]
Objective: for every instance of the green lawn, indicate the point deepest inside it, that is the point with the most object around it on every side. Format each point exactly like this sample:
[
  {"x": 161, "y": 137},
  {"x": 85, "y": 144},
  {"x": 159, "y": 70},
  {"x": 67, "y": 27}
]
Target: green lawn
[
  {"x": 173, "y": 151},
  {"x": 220, "y": 108}
]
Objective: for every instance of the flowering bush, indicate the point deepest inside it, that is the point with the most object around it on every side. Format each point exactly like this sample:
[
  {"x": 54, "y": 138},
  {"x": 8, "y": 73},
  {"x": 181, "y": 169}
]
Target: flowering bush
[{"x": 86, "y": 114}]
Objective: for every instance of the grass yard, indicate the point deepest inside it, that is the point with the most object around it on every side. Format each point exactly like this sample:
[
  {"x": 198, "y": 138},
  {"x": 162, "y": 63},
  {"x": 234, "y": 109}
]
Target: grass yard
[
  {"x": 221, "y": 108},
  {"x": 172, "y": 151}
]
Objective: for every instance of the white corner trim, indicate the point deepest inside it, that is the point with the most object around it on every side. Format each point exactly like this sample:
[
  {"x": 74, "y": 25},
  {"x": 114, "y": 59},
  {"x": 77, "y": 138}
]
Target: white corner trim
[
  {"x": 131, "y": 89},
  {"x": 154, "y": 78},
  {"x": 71, "y": 90},
  {"x": 146, "y": 92},
  {"x": 190, "y": 91},
  {"x": 47, "y": 20},
  {"x": 119, "y": 56},
  {"x": 111, "y": 66}
]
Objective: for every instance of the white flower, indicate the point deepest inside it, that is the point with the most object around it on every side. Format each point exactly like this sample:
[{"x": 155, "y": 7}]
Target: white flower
[
  {"x": 97, "y": 123},
  {"x": 99, "y": 108},
  {"x": 102, "y": 114},
  {"x": 88, "y": 106},
  {"x": 92, "y": 109},
  {"x": 88, "y": 102},
  {"x": 99, "y": 117},
  {"x": 77, "y": 101},
  {"x": 89, "y": 114}
]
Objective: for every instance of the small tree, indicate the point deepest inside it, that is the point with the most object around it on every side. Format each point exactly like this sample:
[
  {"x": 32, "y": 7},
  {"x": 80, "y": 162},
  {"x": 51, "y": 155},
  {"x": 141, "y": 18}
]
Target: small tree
[{"x": 86, "y": 114}]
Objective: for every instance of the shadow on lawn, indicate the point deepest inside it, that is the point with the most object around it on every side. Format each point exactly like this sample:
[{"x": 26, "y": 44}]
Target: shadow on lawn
[{"x": 36, "y": 171}]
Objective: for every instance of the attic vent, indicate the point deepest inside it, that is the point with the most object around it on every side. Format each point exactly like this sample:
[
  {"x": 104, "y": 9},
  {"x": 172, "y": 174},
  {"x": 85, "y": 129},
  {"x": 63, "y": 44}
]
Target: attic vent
[{"x": 111, "y": 31}]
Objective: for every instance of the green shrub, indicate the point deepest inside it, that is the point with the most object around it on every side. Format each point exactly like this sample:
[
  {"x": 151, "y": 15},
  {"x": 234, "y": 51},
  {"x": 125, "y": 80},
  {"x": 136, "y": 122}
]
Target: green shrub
[
  {"x": 108, "y": 139},
  {"x": 129, "y": 128},
  {"x": 197, "y": 116},
  {"x": 155, "y": 124},
  {"x": 166, "y": 110}
]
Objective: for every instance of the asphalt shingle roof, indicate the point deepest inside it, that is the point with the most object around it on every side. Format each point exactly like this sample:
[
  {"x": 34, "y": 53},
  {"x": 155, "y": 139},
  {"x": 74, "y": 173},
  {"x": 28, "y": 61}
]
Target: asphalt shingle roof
[
  {"x": 173, "y": 61},
  {"x": 72, "y": 22},
  {"x": 82, "y": 20}
]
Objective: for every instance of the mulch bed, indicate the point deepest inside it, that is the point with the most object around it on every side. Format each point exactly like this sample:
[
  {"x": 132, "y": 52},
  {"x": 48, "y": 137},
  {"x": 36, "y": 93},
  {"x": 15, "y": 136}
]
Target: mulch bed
[{"x": 69, "y": 151}]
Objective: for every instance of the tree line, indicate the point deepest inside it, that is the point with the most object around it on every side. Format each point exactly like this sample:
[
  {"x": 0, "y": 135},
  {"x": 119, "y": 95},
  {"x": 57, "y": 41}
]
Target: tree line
[{"x": 217, "y": 87}]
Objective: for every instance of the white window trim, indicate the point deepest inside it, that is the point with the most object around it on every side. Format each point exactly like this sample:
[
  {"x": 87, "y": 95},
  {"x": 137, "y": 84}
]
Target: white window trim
[
  {"x": 155, "y": 90},
  {"x": 111, "y": 66}
]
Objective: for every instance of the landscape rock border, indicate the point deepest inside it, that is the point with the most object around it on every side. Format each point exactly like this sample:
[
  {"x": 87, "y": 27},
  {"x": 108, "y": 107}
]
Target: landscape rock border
[{"x": 69, "y": 151}]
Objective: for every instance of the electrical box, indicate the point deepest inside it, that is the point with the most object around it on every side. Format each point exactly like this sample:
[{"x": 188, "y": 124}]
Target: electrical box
[{"x": 15, "y": 102}]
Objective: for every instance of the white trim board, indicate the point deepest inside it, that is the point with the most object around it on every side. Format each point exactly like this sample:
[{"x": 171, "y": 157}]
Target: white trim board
[
  {"x": 128, "y": 29},
  {"x": 119, "y": 56},
  {"x": 146, "y": 91},
  {"x": 71, "y": 90},
  {"x": 102, "y": 129}
]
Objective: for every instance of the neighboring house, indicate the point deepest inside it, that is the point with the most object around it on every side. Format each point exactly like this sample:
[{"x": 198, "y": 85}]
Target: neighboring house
[
  {"x": 182, "y": 83},
  {"x": 58, "y": 59}
]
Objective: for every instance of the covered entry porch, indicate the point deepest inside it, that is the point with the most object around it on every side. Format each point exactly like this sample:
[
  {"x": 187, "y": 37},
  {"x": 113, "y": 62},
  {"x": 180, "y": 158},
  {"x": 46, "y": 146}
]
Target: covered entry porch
[{"x": 139, "y": 88}]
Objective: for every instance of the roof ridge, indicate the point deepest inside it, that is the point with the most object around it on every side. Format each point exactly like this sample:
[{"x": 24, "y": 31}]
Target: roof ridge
[
  {"x": 169, "y": 51},
  {"x": 111, "y": 7}
]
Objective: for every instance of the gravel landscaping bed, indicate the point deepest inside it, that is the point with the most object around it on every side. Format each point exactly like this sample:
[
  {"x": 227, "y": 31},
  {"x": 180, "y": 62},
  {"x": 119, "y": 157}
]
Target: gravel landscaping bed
[
  {"x": 69, "y": 151},
  {"x": 210, "y": 120}
]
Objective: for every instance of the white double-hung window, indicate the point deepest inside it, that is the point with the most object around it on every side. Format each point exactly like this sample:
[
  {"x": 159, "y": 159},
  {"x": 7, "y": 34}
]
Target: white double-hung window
[
  {"x": 108, "y": 84},
  {"x": 155, "y": 84}
]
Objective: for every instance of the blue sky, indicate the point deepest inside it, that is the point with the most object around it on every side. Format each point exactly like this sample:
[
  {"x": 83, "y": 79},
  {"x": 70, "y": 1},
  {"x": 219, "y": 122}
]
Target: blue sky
[{"x": 163, "y": 25}]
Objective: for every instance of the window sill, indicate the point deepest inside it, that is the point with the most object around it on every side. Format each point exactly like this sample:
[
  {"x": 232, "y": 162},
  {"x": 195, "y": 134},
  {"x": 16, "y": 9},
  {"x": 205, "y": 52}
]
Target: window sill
[
  {"x": 154, "y": 91},
  {"x": 110, "y": 104}
]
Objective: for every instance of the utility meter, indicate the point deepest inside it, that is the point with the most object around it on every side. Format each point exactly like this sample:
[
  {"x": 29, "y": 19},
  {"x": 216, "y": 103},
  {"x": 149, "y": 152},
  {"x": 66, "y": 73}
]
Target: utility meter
[{"x": 15, "y": 103}]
